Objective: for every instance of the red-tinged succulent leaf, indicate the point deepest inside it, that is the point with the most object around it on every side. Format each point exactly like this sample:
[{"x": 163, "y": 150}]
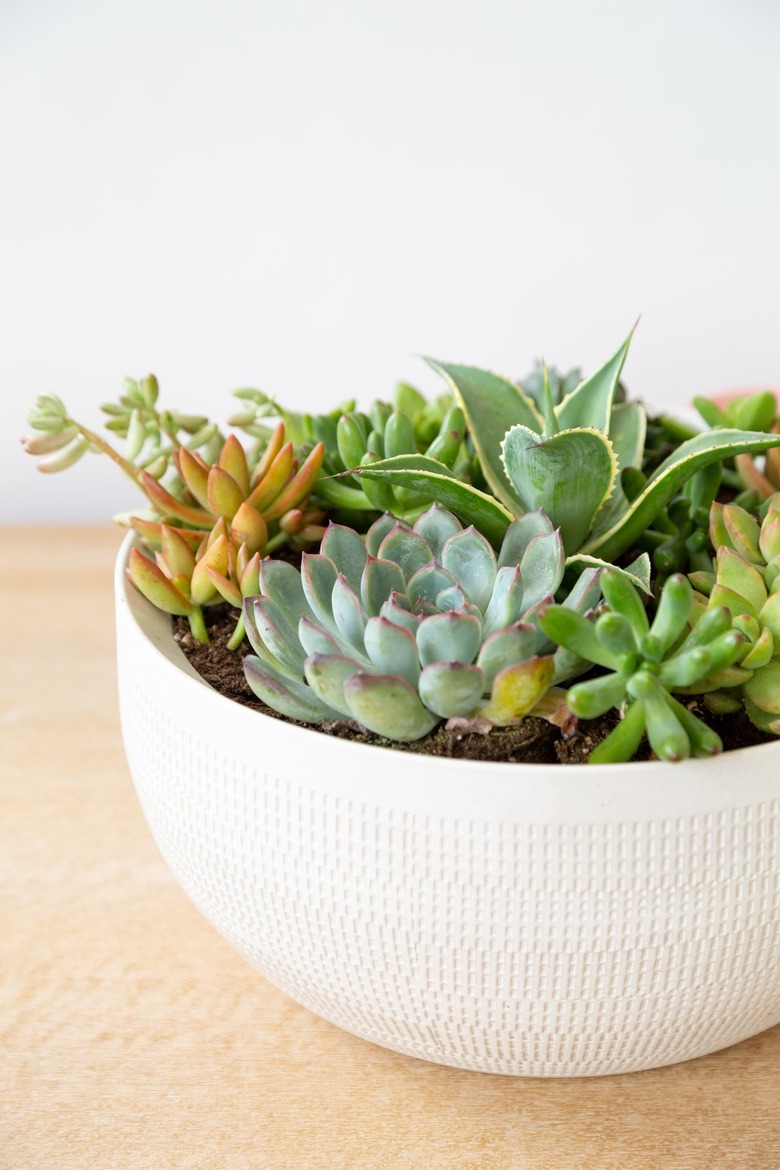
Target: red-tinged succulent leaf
[
  {"x": 310, "y": 534},
  {"x": 292, "y": 522},
  {"x": 179, "y": 557},
  {"x": 225, "y": 496},
  {"x": 743, "y": 533},
  {"x": 269, "y": 455},
  {"x": 772, "y": 465},
  {"x": 738, "y": 575},
  {"x": 249, "y": 528},
  {"x": 155, "y": 586},
  {"x": 300, "y": 486},
  {"x": 232, "y": 459},
  {"x": 194, "y": 473},
  {"x": 216, "y": 557},
  {"x": 249, "y": 579},
  {"x": 735, "y": 602},
  {"x": 769, "y": 617},
  {"x": 762, "y": 651},
  {"x": 219, "y": 530},
  {"x": 150, "y": 532},
  {"x": 277, "y": 475},
  {"x": 719, "y": 536},
  {"x": 752, "y": 477},
  {"x": 224, "y": 587},
  {"x": 168, "y": 505},
  {"x": 553, "y": 706},
  {"x": 769, "y": 540},
  {"x": 284, "y": 694}
]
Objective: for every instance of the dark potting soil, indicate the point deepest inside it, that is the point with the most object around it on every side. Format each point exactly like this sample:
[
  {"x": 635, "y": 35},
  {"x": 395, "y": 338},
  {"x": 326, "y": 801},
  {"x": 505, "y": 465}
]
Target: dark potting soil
[{"x": 534, "y": 741}]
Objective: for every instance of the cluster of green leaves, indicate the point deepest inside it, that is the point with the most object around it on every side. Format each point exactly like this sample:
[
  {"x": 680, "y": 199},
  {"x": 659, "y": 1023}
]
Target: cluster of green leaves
[
  {"x": 569, "y": 459},
  {"x": 486, "y": 546},
  {"x": 409, "y": 426}
]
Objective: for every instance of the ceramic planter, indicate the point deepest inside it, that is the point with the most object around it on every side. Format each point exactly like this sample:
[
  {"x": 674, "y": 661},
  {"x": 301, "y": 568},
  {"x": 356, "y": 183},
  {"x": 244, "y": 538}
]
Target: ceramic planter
[{"x": 531, "y": 920}]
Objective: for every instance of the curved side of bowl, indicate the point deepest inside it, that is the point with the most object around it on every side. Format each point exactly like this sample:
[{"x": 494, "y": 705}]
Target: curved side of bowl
[{"x": 514, "y": 919}]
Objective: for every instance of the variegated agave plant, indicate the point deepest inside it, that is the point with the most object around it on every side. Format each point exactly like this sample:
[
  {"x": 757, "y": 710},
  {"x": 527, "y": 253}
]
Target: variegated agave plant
[
  {"x": 567, "y": 458},
  {"x": 415, "y": 625}
]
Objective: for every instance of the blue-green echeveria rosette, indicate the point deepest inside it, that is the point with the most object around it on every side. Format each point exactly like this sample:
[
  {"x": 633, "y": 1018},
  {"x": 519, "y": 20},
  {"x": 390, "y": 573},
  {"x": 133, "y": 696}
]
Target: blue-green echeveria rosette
[{"x": 412, "y": 626}]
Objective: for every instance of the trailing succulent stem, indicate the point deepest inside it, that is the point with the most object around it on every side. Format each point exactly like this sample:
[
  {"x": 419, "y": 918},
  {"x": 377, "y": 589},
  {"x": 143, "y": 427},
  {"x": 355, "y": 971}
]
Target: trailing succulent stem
[{"x": 151, "y": 436}]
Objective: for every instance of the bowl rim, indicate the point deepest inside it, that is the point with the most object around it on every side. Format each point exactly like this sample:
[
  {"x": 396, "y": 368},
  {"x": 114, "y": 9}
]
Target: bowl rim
[{"x": 152, "y": 625}]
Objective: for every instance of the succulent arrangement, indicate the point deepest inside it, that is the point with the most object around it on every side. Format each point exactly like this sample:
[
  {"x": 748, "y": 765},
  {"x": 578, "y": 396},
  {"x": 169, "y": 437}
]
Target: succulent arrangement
[{"x": 502, "y": 551}]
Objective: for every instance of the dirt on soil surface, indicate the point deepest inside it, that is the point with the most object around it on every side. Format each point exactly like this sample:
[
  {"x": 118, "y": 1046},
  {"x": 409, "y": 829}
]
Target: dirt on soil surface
[{"x": 534, "y": 741}]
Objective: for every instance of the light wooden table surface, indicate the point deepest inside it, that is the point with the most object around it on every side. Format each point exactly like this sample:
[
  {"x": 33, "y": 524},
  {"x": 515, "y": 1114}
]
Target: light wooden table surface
[{"x": 133, "y": 1037}]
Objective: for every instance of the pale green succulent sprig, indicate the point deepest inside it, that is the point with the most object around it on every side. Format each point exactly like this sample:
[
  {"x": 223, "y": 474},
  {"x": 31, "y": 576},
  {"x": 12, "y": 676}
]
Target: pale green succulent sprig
[
  {"x": 413, "y": 626},
  {"x": 151, "y": 436},
  {"x": 644, "y": 663}
]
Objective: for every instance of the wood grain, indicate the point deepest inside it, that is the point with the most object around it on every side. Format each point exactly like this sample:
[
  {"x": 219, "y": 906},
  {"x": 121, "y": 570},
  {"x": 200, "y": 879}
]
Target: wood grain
[{"x": 134, "y": 1038}]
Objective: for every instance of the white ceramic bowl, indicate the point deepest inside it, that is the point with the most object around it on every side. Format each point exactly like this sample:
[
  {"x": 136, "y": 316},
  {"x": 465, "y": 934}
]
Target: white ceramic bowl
[{"x": 523, "y": 919}]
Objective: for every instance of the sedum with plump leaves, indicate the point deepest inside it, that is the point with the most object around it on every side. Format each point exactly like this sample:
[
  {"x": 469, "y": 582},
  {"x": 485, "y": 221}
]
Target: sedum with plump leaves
[
  {"x": 413, "y": 626},
  {"x": 746, "y": 581},
  {"x": 409, "y": 426},
  {"x": 644, "y": 664}
]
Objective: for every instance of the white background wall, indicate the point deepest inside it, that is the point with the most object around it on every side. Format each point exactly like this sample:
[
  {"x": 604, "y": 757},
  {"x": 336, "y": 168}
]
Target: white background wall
[{"x": 300, "y": 196}]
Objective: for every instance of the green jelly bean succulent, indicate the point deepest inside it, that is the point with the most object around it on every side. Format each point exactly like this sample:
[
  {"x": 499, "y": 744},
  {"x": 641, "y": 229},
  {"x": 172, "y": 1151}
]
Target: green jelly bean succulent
[
  {"x": 414, "y": 625},
  {"x": 409, "y": 426},
  {"x": 746, "y": 580},
  {"x": 679, "y": 540},
  {"x": 644, "y": 663},
  {"x": 568, "y": 459}
]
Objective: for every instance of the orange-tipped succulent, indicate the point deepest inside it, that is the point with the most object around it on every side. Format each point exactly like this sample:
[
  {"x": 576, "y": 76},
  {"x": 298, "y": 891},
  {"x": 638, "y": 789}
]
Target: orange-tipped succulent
[
  {"x": 262, "y": 509},
  {"x": 230, "y": 511},
  {"x": 181, "y": 582},
  {"x": 214, "y": 521}
]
